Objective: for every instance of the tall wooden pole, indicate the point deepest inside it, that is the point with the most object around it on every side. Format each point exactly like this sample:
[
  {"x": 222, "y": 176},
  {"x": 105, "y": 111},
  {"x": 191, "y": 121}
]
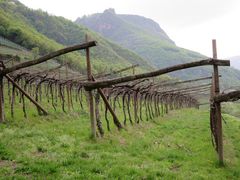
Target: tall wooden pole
[
  {"x": 68, "y": 87},
  {"x": 66, "y": 70},
  {"x": 90, "y": 95},
  {"x": 217, "y": 105},
  {"x": 2, "y": 116}
]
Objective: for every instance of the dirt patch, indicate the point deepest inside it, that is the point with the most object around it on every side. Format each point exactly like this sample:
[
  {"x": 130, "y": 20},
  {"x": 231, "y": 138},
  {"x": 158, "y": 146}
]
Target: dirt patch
[
  {"x": 122, "y": 141},
  {"x": 4, "y": 163}
]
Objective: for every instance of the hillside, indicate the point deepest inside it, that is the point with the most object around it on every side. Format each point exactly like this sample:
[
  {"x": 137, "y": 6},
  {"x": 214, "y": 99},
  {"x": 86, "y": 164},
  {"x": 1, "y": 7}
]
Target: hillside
[
  {"x": 58, "y": 147},
  {"x": 142, "y": 35},
  {"x": 146, "y": 38},
  {"x": 31, "y": 28}
]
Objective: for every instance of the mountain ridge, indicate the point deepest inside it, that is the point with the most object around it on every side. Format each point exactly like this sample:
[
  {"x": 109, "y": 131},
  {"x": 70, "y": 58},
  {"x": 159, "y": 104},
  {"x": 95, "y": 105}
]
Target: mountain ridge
[
  {"x": 147, "y": 39},
  {"x": 35, "y": 28},
  {"x": 142, "y": 35}
]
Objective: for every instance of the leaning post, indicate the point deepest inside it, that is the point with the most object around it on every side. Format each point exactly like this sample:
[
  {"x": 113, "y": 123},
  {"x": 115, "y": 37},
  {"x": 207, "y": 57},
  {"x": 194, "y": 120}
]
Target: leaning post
[
  {"x": 218, "y": 116},
  {"x": 90, "y": 95}
]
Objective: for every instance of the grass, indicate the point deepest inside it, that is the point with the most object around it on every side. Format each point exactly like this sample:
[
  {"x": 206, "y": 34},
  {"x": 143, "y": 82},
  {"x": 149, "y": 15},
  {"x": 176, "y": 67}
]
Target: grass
[
  {"x": 175, "y": 146},
  {"x": 232, "y": 108}
]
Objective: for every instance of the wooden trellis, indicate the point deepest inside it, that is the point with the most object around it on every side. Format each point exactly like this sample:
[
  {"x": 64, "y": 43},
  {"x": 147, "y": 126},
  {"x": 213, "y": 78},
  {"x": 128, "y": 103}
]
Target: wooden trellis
[{"x": 139, "y": 91}]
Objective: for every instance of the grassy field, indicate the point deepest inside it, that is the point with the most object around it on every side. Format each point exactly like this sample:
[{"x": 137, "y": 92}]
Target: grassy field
[
  {"x": 232, "y": 108},
  {"x": 175, "y": 146}
]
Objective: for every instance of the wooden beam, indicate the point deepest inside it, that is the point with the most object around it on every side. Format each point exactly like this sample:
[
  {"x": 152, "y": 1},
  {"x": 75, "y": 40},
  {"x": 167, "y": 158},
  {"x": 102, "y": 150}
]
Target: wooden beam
[
  {"x": 107, "y": 83},
  {"x": 197, "y": 91},
  {"x": 26, "y": 94},
  {"x": 115, "y": 119},
  {"x": 48, "y": 70},
  {"x": 187, "y": 81},
  {"x": 231, "y": 96},
  {"x": 117, "y": 71},
  {"x": 48, "y": 56},
  {"x": 187, "y": 88},
  {"x": 206, "y": 103}
]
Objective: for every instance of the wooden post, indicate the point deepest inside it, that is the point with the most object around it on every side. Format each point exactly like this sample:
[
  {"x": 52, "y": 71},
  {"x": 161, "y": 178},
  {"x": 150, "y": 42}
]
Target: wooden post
[
  {"x": 66, "y": 70},
  {"x": 68, "y": 87},
  {"x": 90, "y": 95},
  {"x": 2, "y": 116},
  {"x": 217, "y": 105},
  {"x": 59, "y": 74},
  {"x": 135, "y": 106}
]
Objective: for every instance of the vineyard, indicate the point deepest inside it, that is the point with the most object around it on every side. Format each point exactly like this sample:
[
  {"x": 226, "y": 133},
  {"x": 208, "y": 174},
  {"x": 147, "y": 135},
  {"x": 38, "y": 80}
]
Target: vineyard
[
  {"x": 135, "y": 98},
  {"x": 7, "y": 43}
]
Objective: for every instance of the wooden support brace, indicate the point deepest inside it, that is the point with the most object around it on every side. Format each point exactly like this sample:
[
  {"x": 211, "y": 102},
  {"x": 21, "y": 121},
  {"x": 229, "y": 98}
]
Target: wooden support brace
[
  {"x": 26, "y": 94},
  {"x": 115, "y": 119}
]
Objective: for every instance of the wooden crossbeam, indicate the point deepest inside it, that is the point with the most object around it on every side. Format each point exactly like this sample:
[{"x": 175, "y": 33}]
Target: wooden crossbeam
[
  {"x": 107, "y": 83},
  {"x": 231, "y": 96},
  {"x": 187, "y": 81},
  {"x": 187, "y": 88},
  {"x": 48, "y": 56}
]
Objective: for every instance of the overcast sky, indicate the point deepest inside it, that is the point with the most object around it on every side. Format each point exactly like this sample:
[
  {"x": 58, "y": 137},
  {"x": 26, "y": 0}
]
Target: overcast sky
[{"x": 190, "y": 23}]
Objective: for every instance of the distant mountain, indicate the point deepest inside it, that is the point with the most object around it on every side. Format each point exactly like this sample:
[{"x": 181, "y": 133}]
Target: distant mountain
[
  {"x": 35, "y": 28},
  {"x": 140, "y": 34},
  {"x": 235, "y": 62},
  {"x": 141, "y": 41},
  {"x": 146, "y": 38}
]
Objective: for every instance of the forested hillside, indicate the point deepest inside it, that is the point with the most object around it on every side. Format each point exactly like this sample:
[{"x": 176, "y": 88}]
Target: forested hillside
[
  {"x": 151, "y": 45},
  {"x": 142, "y": 35},
  {"x": 146, "y": 38},
  {"x": 31, "y": 28}
]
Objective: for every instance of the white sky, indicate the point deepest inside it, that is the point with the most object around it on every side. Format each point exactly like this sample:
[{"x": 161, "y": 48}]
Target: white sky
[{"x": 192, "y": 24}]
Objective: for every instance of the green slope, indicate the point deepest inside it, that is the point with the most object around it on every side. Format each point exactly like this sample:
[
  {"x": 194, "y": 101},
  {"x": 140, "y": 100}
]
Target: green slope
[
  {"x": 146, "y": 38},
  {"x": 141, "y": 35},
  {"x": 177, "y": 146},
  {"x": 31, "y": 28}
]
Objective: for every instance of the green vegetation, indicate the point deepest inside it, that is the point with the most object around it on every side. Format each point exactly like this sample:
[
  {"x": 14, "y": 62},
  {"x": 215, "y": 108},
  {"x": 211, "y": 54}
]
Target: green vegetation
[
  {"x": 7, "y": 43},
  {"x": 142, "y": 35},
  {"x": 146, "y": 38},
  {"x": 31, "y": 28},
  {"x": 58, "y": 146},
  {"x": 232, "y": 108}
]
